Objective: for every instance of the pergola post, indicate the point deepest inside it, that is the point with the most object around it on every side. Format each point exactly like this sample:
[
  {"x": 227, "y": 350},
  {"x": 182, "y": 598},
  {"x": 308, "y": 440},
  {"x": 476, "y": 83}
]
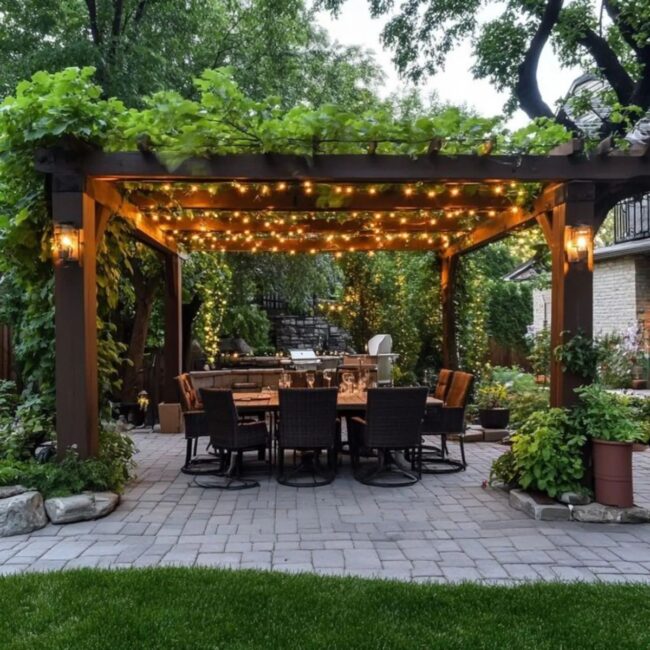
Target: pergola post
[
  {"x": 75, "y": 320},
  {"x": 571, "y": 282},
  {"x": 173, "y": 326},
  {"x": 448, "y": 273}
]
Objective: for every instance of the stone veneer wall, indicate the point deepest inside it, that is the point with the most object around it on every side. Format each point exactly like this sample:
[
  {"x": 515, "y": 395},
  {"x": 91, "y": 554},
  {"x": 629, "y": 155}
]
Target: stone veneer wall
[
  {"x": 295, "y": 332},
  {"x": 643, "y": 292},
  {"x": 615, "y": 303},
  {"x": 621, "y": 296}
]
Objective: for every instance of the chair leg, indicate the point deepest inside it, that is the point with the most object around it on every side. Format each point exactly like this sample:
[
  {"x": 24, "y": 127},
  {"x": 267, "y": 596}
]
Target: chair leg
[{"x": 386, "y": 467}]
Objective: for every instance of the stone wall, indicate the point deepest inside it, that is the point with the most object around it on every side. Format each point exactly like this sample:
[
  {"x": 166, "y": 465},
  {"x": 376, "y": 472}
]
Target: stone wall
[
  {"x": 295, "y": 332},
  {"x": 615, "y": 305},
  {"x": 643, "y": 292},
  {"x": 621, "y": 296}
]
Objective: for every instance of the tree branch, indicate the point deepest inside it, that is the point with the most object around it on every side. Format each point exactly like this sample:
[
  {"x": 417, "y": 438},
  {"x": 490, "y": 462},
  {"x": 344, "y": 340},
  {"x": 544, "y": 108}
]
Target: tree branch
[
  {"x": 116, "y": 30},
  {"x": 624, "y": 27},
  {"x": 527, "y": 88},
  {"x": 94, "y": 27},
  {"x": 609, "y": 64}
]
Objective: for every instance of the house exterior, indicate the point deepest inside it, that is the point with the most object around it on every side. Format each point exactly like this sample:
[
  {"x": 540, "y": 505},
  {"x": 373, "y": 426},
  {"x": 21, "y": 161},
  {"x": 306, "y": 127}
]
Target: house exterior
[{"x": 621, "y": 275}]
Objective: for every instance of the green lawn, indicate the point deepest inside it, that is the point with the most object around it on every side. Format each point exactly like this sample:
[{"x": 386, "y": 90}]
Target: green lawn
[{"x": 203, "y": 608}]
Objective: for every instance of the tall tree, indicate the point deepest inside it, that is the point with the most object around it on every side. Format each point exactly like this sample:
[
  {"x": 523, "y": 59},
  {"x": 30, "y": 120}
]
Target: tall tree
[
  {"x": 141, "y": 46},
  {"x": 610, "y": 39}
]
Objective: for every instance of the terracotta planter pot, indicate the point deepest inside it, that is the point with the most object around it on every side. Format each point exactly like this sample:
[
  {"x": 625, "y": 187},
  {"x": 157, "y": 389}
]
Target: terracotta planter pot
[
  {"x": 639, "y": 384},
  {"x": 494, "y": 418},
  {"x": 613, "y": 473}
]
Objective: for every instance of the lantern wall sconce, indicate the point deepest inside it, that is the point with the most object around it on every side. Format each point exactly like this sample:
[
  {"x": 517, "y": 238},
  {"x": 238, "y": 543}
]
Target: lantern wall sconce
[
  {"x": 578, "y": 244},
  {"x": 67, "y": 244}
]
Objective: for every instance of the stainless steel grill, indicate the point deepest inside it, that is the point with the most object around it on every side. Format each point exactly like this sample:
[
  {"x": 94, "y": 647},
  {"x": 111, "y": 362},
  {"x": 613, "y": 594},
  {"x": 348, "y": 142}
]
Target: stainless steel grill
[{"x": 304, "y": 359}]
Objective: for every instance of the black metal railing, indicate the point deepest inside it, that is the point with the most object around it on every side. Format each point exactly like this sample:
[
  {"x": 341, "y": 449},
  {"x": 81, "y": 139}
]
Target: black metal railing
[{"x": 632, "y": 219}]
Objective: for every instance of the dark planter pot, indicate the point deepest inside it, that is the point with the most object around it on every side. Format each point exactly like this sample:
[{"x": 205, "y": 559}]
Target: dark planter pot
[
  {"x": 494, "y": 418},
  {"x": 639, "y": 384},
  {"x": 613, "y": 473}
]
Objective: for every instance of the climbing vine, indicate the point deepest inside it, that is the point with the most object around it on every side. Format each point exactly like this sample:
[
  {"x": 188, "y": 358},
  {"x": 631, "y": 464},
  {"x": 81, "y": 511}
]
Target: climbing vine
[{"x": 65, "y": 108}]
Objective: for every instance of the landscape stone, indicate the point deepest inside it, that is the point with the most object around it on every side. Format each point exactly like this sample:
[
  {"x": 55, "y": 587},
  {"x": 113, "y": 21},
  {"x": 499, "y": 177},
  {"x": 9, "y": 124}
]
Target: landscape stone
[
  {"x": 538, "y": 506},
  {"x": 11, "y": 491},
  {"x": 80, "y": 507},
  {"x": 495, "y": 435},
  {"x": 21, "y": 514},
  {"x": 575, "y": 498},
  {"x": 597, "y": 513}
]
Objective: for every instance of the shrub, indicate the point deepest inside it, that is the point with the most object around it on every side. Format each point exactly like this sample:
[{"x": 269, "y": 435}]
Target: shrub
[
  {"x": 524, "y": 403},
  {"x": 548, "y": 453},
  {"x": 492, "y": 396},
  {"x": 606, "y": 416},
  {"x": 29, "y": 425},
  {"x": 504, "y": 470},
  {"x": 111, "y": 470}
]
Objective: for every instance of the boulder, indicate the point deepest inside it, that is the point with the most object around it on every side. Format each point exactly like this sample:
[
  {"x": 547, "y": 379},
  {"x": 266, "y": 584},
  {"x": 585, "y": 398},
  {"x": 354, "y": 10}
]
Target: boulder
[
  {"x": 575, "y": 499},
  {"x": 21, "y": 514},
  {"x": 80, "y": 507},
  {"x": 597, "y": 513},
  {"x": 538, "y": 506},
  {"x": 11, "y": 491}
]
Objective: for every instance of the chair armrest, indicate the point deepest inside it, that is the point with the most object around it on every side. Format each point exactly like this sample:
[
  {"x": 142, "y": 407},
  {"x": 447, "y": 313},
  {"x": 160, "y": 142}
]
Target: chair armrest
[{"x": 195, "y": 424}]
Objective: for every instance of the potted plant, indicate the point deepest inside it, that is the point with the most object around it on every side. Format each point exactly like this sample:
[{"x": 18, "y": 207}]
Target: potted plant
[
  {"x": 493, "y": 411},
  {"x": 608, "y": 419}
]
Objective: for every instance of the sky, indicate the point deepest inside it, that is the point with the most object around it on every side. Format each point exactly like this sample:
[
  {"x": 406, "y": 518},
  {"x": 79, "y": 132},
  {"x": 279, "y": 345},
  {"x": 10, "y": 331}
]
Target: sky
[{"x": 455, "y": 84}]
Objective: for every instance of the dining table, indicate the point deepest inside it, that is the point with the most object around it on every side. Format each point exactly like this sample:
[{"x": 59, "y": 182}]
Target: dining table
[{"x": 270, "y": 401}]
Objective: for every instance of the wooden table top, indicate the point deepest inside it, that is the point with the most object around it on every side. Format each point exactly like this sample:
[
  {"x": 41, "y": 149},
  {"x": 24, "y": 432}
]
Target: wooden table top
[{"x": 270, "y": 401}]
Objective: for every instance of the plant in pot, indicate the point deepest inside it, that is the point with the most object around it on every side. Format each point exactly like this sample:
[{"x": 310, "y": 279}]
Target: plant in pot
[
  {"x": 493, "y": 411},
  {"x": 609, "y": 420}
]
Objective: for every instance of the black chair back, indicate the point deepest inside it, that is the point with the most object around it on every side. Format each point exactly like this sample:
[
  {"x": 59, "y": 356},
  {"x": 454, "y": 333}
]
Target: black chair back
[
  {"x": 394, "y": 417},
  {"x": 307, "y": 418},
  {"x": 221, "y": 419}
]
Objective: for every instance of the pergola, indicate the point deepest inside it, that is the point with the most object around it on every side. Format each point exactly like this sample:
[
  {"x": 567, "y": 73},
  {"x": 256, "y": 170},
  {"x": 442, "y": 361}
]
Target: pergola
[{"x": 324, "y": 203}]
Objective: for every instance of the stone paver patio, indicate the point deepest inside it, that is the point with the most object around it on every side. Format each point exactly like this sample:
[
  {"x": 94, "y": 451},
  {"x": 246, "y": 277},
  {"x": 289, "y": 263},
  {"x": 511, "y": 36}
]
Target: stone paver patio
[{"x": 446, "y": 528}]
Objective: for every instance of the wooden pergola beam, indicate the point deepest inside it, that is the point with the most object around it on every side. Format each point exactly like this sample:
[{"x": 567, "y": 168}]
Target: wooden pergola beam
[
  {"x": 491, "y": 231},
  {"x": 319, "y": 226},
  {"x": 350, "y": 168},
  {"x": 106, "y": 195},
  {"x": 354, "y": 244},
  {"x": 295, "y": 200}
]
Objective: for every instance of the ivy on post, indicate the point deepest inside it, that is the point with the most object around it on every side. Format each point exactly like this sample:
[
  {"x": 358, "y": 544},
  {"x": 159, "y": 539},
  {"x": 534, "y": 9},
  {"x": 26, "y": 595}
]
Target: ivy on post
[
  {"x": 75, "y": 299},
  {"x": 448, "y": 272},
  {"x": 173, "y": 326}
]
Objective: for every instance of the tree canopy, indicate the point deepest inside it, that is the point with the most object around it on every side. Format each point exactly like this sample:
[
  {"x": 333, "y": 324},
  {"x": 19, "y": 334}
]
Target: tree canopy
[
  {"x": 142, "y": 46},
  {"x": 610, "y": 39}
]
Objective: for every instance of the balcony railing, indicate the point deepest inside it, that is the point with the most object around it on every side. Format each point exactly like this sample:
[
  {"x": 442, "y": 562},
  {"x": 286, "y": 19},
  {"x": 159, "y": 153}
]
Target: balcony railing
[{"x": 632, "y": 219}]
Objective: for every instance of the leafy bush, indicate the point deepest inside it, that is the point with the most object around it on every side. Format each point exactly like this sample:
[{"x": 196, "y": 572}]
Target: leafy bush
[
  {"x": 504, "y": 470},
  {"x": 111, "y": 470},
  {"x": 524, "y": 403},
  {"x": 540, "y": 352},
  {"x": 606, "y": 416},
  {"x": 548, "y": 453},
  {"x": 492, "y": 396},
  {"x": 29, "y": 425}
]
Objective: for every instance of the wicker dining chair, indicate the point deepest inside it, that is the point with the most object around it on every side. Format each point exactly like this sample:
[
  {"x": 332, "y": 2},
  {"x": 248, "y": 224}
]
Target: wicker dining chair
[
  {"x": 442, "y": 386},
  {"x": 446, "y": 420},
  {"x": 231, "y": 437},
  {"x": 393, "y": 423},
  {"x": 307, "y": 425},
  {"x": 194, "y": 428}
]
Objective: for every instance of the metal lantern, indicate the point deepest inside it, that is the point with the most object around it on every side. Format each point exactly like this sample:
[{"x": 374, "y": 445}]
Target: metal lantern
[
  {"x": 578, "y": 243},
  {"x": 66, "y": 244}
]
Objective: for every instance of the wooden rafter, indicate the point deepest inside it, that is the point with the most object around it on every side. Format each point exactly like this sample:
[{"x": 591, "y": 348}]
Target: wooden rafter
[
  {"x": 295, "y": 200},
  {"x": 106, "y": 195}
]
